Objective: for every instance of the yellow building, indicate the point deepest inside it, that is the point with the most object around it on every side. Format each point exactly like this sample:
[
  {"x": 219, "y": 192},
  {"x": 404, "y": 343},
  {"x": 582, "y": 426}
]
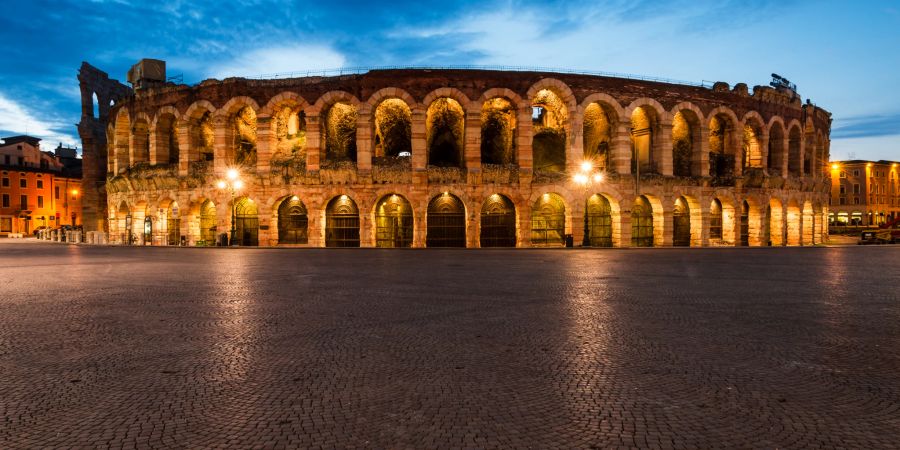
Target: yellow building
[{"x": 864, "y": 193}]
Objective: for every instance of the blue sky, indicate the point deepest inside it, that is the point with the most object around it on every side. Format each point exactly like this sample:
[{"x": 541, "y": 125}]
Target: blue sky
[{"x": 843, "y": 55}]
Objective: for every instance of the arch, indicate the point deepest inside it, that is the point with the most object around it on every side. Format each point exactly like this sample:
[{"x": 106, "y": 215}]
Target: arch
[
  {"x": 642, "y": 229},
  {"x": 200, "y": 129},
  {"x": 793, "y": 219},
  {"x": 808, "y": 224},
  {"x": 95, "y": 106},
  {"x": 608, "y": 102},
  {"x": 776, "y": 154},
  {"x": 686, "y": 138},
  {"x": 548, "y": 221},
  {"x": 293, "y": 222},
  {"x": 498, "y": 222},
  {"x": 285, "y": 98},
  {"x": 140, "y": 139},
  {"x": 387, "y": 93},
  {"x": 795, "y": 148},
  {"x": 716, "y": 233},
  {"x": 751, "y": 146},
  {"x": 338, "y": 126},
  {"x": 235, "y": 104},
  {"x": 723, "y": 127},
  {"x": 744, "y": 233},
  {"x": 208, "y": 223},
  {"x": 446, "y": 222},
  {"x": 165, "y": 136},
  {"x": 774, "y": 223},
  {"x": 644, "y": 137},
  {"x": 447, "y": 92},
  {"x": 681, "y": 223},
  {"x": 598, "y": 219},
  {"x": 600, "y": 121},
  {"x": 499, "y": 130},
  {"x": 392, "y": 129},
  {"x": 559, "y": 88},
  {"x": 341, "y": 222},
  {"x": 551, "y": 128},
  {"x": 246, "y": 222},
  {"x": 241, "y": 133},
  {"x": 445, "y": 132},
  {"x": 288, "y": 129},
  {"x": 393, "y": 222}
]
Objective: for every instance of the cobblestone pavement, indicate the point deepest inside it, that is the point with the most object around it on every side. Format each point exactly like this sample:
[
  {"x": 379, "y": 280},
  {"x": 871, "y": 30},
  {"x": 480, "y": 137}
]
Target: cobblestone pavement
[{"x": 700, "y": 348}]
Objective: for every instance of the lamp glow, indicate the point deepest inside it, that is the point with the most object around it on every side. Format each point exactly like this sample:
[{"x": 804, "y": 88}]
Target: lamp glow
[
  {"x": 232, "y": 174},
  {"x": 221, "y": 184},
  {"x": 835, "y": 166},
  {"x": 598, "y": 177},
  {"x": 587, "y": 166},
  {"x": 238, "y": 184}
]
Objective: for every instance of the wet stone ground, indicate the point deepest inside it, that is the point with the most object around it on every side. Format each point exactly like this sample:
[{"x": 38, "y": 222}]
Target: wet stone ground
[{"x": 696, "y": 348}]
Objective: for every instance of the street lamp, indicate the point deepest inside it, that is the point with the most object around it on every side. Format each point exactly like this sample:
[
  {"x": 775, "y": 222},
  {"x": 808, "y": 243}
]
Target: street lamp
[
  {"x": 233, "y": 183},
  {"x": 586, "y": 177}
]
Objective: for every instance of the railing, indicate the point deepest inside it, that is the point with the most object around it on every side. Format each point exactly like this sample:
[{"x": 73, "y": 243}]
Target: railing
[{"x": 364, "y": 69}]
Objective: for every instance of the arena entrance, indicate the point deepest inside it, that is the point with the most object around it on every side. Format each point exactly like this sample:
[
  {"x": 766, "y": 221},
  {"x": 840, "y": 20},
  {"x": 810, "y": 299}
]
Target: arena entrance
[
  {"x": 393, "y": 222},
  {"x": 681, "y": 226},
  {"x": 745, "y": 224},
  {"x": 293, "y": 222},
  {"x": 641, "y": 223},
  {"x": 548, "y": 221},
  {"x": 598, "y": 222},
  {"x": 446, "y": 225},
  {"x": 246, "y": 223},
  {"x": 207, "y": 223},
  {"x": 342, "y": 223},
  {"x": 498, "y": 222}
]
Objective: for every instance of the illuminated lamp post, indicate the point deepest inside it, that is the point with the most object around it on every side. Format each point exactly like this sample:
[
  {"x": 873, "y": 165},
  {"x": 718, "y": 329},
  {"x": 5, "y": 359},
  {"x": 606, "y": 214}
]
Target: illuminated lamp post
[
  {"x": 585, "y": 178},
  {"x": 233, "y": 183}
]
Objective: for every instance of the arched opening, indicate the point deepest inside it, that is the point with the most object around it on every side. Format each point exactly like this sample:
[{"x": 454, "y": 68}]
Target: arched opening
[
  {"x": 293, "y": 222},
  {"x": 148, "y": 230},
  {"x": 721, "y": 155},
  {"x": 201, "y": 131},
  {"x": 775, "y": 158},
  {"x": 498, "y": 222},
  {"x": 641, "y": 223},
  {"x": 246, "y": 223},
  {"x": 597, "y": 136},
  {"x": 243, "y": 136},
  {"x": 549, "y": 117},
  {"x": 166, "y": 140},
  {"x": 774, "y": 223},
  {"x": 446, "y": 225},
  {"x": 95, "y": 106},
  {"x": 643, "y": 137},
  {"x": 498, "y": 132},
  {"x": 393, "y": 131},
  {"x": 290, "y": 134},
  {"x": 340, "y": 132},
  {"x": 794, "y": 219},
  {"x": 548, "y": 221},
  {"x": 809, "y": 224},
  {"x": 342, "y": 223},
  {"x": 681, "y": 226},
  {"x": 208, "y": 223},
  {"x": 598, "y": 222},
  {"x": 445, "y": 133},
  {"x": 794, "y": 151},
  {"x": 685, "y": 127},
  {"x": 140, "y": 141},
  {"x": 171, "y": 224},
  {"x": 745, "y": 224},
  {"x": 122, "y": 224},
  {"x": 393, "y": 222},
  {"x": 750, "y": 145},
  {"x": 715, "y": 220}
]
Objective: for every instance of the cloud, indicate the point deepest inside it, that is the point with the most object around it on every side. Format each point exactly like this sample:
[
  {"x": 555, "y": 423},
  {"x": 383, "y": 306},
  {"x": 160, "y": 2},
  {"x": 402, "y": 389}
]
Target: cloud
[
  {"x": 15, "y": 120},
  {"x": 867, "y": 126},
  {"x": 281, "y": 59}
]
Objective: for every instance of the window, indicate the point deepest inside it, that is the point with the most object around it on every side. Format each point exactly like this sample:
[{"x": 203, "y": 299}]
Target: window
[
  {"x": 6, "y": 159},
  {"x": 856, "y": 173},
  {"x": 843, "y": 200},
  {"x": 40, "y": 184},
  {"x": 856, "y": 189},
  {"x": 855, "y": 200},
  {"x": 843, "y": 174},
  {"x": 6, "y": 200},
  {"x": 40, "y": 201},
  {"x": 5, "y": 224},
  {"x": 843, "y": 190},
  {"x": 23, "y": 202},
  {"x": 23, "y": 183},
  {"x": 21, "y": 161},
  {"x": 5, "y": 181},
  {"x": 56, "y": 192}
]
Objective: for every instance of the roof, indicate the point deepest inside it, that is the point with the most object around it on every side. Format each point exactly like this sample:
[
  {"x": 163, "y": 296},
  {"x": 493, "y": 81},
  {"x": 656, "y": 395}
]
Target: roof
[{"x": 21, "y": 138}]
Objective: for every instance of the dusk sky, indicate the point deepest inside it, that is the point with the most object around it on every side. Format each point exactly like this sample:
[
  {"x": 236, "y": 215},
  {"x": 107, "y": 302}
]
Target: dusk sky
[{"x": 843, "y": 55}]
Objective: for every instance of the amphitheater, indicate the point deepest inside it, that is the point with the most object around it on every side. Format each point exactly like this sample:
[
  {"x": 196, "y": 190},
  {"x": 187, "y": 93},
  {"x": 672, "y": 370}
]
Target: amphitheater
[{"x": 453, "y": 158}]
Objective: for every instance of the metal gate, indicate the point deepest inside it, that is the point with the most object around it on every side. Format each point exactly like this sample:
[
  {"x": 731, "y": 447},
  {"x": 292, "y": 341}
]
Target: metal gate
[
  {"x": 393, "y": 222},
  {"x": 342, "y": 223},
  {"x": 641, "y": 223},
  {"x": 715, "y": 220},
  {"x": 207, "y": 224},
  {"x": 293, "y": 222},
  {"x": 548, "y": 221},
  {"x": 498, "y": 222},
  {"x": 745, "y": 225},
  {"x": 681, "y": 224},
  {"x": 446, "y": 225},
  {"x": 598, "y": 222},
  {"x": 246, "y": 223},
  {"x": 767, "y": 226}
]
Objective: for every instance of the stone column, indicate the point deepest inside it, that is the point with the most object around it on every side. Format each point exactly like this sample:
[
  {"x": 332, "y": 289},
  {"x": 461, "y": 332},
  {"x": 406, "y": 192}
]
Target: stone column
[
  {"x": 662, "y": 149},
  {"x": 625, "y": 224},
  {"x": 264, "y": 144},
  {"x": 366, "y": 229},
  {"x": 523, "y": 144},
  {"x": 473, "y": 147},
  {"x": 313, "y": 143},
  {"x": 620, "y": 148},
  {"x": 473, "y": 230},
  {"x": 577, "y": 220},
  {"x": 222, "y": 154},
  {"x": 186, "y": 152},
  {"x": 763, "y": 139},
  {"x": 364, "y": 145},
  {"x": 523, "y": 230},
  {"x": 418, "y": 144},
  {"x": 668, "y": 223},
  {"x": 700, "y": 156},
  {"x": 575, "y": 144}
]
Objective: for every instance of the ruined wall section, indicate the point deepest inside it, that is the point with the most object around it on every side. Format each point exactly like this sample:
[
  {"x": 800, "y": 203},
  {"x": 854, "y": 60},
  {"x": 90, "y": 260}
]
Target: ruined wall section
[{"x": 96, "y": 86}]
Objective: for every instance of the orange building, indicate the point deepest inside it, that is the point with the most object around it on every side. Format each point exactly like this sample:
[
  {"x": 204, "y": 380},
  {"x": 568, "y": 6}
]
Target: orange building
[
  {"x": 864, "y": 193},
  {"x": 37, "y": 188}
]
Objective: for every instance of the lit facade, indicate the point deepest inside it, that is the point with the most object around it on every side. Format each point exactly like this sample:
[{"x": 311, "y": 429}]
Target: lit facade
[
  {"x": 471, "y": 158},
  {"x": 36, "y": 188},
  {"x": 864, "y": 193}
]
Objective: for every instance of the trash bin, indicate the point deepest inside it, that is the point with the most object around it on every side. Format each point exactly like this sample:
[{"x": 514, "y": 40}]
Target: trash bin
[{"x": 570, "y": 242}]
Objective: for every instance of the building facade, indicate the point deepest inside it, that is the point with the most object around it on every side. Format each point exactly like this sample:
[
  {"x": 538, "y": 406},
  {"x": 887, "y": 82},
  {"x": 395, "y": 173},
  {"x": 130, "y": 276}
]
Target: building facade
[
  {"x": 37, "y": 188},
  {"x": 470, "y": 158},
  {"x": 864, "y": 193}
]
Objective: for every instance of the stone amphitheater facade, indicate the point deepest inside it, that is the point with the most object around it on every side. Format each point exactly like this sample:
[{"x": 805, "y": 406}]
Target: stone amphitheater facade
[{"x": 474, "y": 158}]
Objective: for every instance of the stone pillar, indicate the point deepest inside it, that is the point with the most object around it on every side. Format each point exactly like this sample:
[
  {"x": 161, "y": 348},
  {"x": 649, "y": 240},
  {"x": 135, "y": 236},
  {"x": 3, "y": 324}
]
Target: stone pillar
[
  {"x": 577, "y": 221},
  {"x": 735, "y": 141},
  {"x": 366, "y": 229},
  {"x": 364, "y": 145},
  {"x": 668, "y": 226},
  {"x": 523, "y": 230},
  {"x": 473, "y": 146},
  {"x": 222, "y": 154},
  {"x": 313, "y": 143},
  {"x": 700, "y": 156},
  {"x": 419, "y": 228},
  {"x": 186, "y": 152},
  {"x": 523, "y": 144},
  {"x": 265, "y": 143},
  {"x": 625, "y": 224},
  {"x": 662, "y": 149},
  {"x": 473, "y": 230},
  {"x": 763, "y": 139},
  {"x": 703, "y": 239},
  {"x": 575, "y": 143},
  {"x": 418, "y": 144},
  {"x": 268, "y": 229},
  {"x": 620, "y": 149}
]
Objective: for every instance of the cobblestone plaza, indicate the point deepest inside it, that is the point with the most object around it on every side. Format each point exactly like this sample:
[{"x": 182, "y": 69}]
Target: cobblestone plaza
[{"x": 667, "y": 348}]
